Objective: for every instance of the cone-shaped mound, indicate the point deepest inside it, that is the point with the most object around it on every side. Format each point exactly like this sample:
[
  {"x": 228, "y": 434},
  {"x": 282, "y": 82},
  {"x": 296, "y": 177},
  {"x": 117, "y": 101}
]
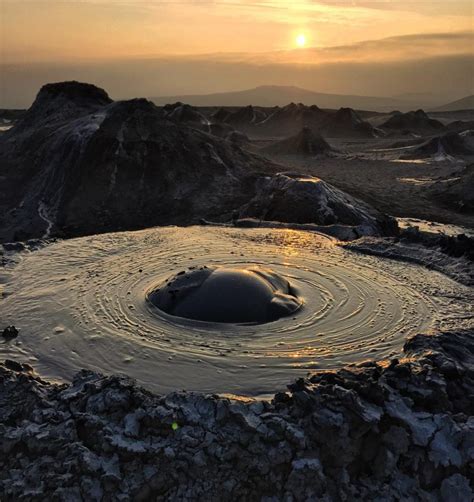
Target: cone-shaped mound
[
  {"x": 291, "y": 197},
  {"x": 347, "y": 123},
  {"x": 290, "y": 119},
  {"x": 76, "y": 91},
  {"x": 414, "y": 121},
  {"x": 220, "y": 115},
  {"x": 245, "y": 116},
  {"x": 458, "y": 193},
  {"x": 447, "y": 144},
  {"x": 227, "y": 295},
  {"x": 180, "y": 112},
  {"x": 306, "y": 142},
  {"x": 63, "y": 101}
]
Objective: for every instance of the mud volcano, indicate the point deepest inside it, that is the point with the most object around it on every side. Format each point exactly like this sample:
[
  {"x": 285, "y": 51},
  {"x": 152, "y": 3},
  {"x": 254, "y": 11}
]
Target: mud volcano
[
  {"x": 356, "y": 307},
  {"x": 250, "y": 295}
]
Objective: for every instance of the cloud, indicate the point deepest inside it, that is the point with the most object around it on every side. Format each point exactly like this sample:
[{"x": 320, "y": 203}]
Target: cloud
[
  {"x": 446, "y": 77},
  {"x": 405, "y": 47}
]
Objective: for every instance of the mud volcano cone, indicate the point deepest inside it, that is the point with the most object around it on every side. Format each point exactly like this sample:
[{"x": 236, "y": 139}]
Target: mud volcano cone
[
  {"x": 347, "y": 123},
  {"x": 306, "y": 142},
  {"x": 451, "y": 144},
  {"x": 413, "y": 121}
]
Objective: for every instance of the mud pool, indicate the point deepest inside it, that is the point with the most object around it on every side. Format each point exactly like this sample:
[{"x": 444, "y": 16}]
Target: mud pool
[{"x": 82, "y": 303}]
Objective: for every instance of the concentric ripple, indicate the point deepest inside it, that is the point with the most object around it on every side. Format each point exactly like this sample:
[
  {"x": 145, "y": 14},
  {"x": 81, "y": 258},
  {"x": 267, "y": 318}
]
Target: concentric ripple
[{"x": 82, "y": 303}]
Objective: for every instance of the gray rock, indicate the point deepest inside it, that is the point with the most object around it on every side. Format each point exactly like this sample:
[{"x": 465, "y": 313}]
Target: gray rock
[{"x": 370, "y": 431}]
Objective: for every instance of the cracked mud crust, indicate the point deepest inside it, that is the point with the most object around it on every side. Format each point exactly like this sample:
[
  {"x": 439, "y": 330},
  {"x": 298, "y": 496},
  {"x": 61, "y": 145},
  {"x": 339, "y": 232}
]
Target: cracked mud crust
[{"x": 398, "y": 429}]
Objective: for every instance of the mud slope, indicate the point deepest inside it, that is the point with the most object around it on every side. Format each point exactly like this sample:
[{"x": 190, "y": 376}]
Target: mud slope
[
  {"x": 457, "y": 193},
  {"x": 450, "y": 145},
  {"x": 78, "y": 163},
  {"x": 291, "y": 197},
  {"x": 346, "y": 123},
  {"x": 416, "y": 121},
  {"x": 290, "y": 119},
  {"x": 306, "y": 142}
]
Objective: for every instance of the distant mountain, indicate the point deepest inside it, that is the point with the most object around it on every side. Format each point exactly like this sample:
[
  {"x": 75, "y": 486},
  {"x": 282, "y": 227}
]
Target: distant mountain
[
  {"x": 466, "y": 103},
  {"x": 274, "y": 95}
]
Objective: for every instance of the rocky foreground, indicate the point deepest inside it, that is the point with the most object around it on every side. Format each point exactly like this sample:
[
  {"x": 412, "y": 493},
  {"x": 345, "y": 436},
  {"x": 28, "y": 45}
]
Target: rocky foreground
[{"x": 396, "y": 430}]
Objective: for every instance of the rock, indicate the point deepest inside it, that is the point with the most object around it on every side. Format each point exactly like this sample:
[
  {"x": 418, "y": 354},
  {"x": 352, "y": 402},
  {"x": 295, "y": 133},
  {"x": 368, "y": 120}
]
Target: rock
[
  {"x": 13, "y": 365},
  {"x": 289, "y": 197},
  {"x": 10, "y": 332},
  {"x": 363, "y": 432},
  {"x": 456, "y": 488}
]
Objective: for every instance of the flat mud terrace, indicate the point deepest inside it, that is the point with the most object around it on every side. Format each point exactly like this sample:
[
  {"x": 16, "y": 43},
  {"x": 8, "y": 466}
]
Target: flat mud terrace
[{"x": 82, "y": 303}]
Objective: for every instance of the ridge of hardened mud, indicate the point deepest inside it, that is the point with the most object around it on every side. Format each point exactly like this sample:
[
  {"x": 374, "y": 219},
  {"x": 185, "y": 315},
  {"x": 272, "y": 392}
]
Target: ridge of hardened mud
[{"x": 393, "y": 430}]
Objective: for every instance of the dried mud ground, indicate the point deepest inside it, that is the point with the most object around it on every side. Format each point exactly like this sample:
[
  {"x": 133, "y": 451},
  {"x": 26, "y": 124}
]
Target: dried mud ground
[{"x": 398, "y": 430}]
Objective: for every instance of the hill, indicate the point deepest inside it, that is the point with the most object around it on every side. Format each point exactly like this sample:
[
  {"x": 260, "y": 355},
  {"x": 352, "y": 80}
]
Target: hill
[
  {"x": 306, "y": 142},
  {"x": 417, "y": 121},
  {"x": 274, "y": 95},
  {"x": 466, "y": 103},
  {"x": 78, "y": 163}
]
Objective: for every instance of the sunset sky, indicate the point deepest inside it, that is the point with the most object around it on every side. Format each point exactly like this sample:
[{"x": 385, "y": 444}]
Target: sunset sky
[{"x": 299, "y": 32}]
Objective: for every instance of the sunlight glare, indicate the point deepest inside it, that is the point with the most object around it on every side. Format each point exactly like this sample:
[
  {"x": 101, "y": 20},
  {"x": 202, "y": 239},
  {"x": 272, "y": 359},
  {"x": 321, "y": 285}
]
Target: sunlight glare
[{"x": 301, "y": 40}]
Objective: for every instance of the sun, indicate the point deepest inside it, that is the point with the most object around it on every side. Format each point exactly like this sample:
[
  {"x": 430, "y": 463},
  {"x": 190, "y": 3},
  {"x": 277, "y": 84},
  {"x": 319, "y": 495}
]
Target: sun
[{"x": 301, "y": 40}]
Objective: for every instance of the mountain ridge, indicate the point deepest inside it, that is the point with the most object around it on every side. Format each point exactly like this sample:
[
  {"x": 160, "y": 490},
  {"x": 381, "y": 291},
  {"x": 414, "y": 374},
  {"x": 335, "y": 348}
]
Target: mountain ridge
[
  {"x": 280, "y": 95},
  {"x": 466, "y": 103}
]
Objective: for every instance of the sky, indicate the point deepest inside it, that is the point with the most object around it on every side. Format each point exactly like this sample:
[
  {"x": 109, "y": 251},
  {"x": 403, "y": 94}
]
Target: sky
[{"x": 182, "y": 44}]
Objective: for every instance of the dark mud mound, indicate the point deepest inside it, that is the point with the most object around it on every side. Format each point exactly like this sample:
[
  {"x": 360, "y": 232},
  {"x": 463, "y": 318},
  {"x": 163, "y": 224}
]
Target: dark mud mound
[
  {"x": 291, "y": 119},
  {"x": 75, "y": 168},
  {"x": 306, "y": 142},
  {"x": 186, "y": 114},
  {"x": 417, "y": 121},
  {"x": 227, "y": 132},
  {"x": 99, "y": 165},
  {"x": 10, "y": 116},
  {"x": 347, "y": 123},
  {"x": 407, "y": 142},
  {"x": 302, "y": 199},
  {"x": 237, "y": 137},
  {"x": 451, "y": 144},
  {"x": 59, "y": 102},
  {"x": 245, "y": 117},
  {"x": 461, "y": 125},
  {"x": 220, "y": 130},
  {"x": 457, "y": 193},
  {"x": 226, "y": 295},
  {"x": 220, "y": 115},
  {"x": 395, "y": 430}
]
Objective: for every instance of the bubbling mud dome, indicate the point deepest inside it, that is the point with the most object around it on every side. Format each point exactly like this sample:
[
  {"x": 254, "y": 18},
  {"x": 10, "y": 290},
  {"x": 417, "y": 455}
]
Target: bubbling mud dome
[
  {"x": 304, "y": 303},
  {"x": 227, "y": 295}
]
